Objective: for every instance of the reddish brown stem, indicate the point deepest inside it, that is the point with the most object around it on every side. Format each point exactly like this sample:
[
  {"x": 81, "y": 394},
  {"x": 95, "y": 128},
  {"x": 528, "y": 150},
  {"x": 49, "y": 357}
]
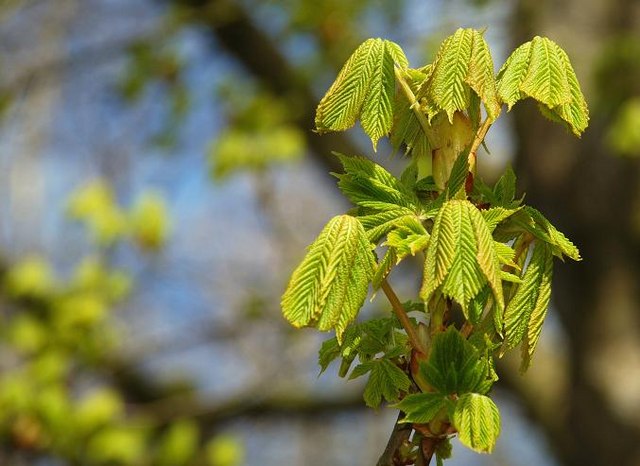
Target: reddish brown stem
[
  {"x": 403, "y": 317},
  {"x": 427, "y": 449}
]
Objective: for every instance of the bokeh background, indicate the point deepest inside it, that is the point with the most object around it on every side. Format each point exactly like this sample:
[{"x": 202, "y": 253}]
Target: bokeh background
[{"x": 159, "y": 179}]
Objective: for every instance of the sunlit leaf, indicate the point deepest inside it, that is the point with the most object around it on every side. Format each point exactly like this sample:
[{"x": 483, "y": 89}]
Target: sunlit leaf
[
  {"x": 477, "y": 420},
  {"x": 454, "y": 365},
  {"x": 328, "y": 288},
  {"x": 463, "y": 65},
  {"x": 365, "y": 183},
  {"x": 532, "y": 221},
  {"x": 365, "y": 89},
  {"x": 461, "y": 256},
  {"x": 526, "y": 310},
  {"x": 540, "y": 69},
  {"x": 408, "y": 237}
]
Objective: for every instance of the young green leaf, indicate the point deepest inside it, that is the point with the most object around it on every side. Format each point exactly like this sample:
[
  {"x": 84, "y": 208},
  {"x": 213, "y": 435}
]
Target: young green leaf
[
  {"x": 505, "y": 190},
  {"x": 458, "y": 175},
  {"x": 540, "y": 69},
  {"x": 477, "y": 420},
  {"x": 330, "y": 285},
  {"x": 366, "y": 183},
  {"x": 386, "y": 380},
  {"x": 365, "y": 89},
  {"x": 532, "y": 296},
  {"x": 478, "y": 305},
  {"x": 380, "y": 223},
  {"x": 341, "y": 105},
  {"x": 377, "y": 110},
  {"x": 365, "y": 340},
  {"x": 408, "y": 237},
  {"x": 463, "y": 65},
  {"x": 329, "y": 351},
  {"x": 454, "y": 365},
  {"x": 539, "y": 312},
  {"x": 576, "y": 112},
  {"x": 495, "y": 215},
  {"x": 461, "y": 255},
  {"x": 532, "y": 221},
  {"x": 451, "y": 237},
  {"x": 421, "y": 407}
]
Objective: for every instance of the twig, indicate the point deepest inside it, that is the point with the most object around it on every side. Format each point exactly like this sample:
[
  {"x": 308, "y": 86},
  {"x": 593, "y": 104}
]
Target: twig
[
  {"x": 403, "y": 317},
  {"x": 399, "y": 435},
  {"x": 480, "y": 134},
  {"x": 428, "y": 448}
]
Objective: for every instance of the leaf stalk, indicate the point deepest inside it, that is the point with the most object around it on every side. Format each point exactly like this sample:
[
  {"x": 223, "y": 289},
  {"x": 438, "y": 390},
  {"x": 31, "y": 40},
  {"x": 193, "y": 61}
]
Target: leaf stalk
[{"x": 400, "y": 312}]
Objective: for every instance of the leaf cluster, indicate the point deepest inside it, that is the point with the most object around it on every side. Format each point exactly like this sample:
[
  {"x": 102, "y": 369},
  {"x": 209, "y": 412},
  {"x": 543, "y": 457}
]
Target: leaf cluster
[
  {"x": 485, "y": 255},
  {"x": 380, "y": 348},
  {"x": 459, "y": 378}
]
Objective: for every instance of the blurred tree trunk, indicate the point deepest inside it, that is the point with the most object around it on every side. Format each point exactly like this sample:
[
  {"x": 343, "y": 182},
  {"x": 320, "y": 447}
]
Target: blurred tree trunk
[{"x": 593, "y": 196}]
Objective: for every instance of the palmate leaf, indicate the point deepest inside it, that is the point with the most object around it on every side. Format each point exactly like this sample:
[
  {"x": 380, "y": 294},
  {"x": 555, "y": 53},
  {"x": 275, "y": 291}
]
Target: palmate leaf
[
  {"x": 341, "y": 105},
  {"x": 477, "y": 420},
  {"x": 405, "y": 236},
  {"x": 368, "y": 184},
  {"x": 385, "y": 201},
  {"x": 540, "y": 69},
  {"x": 377, "y": 111},
  {"x": 329, "y": 286},
  {"x": 364, "y": 89},
  {"x": 461, "y": 256},
  {"x": 463, "y": 65},
  {"x": 386, "y": 380},
  {"x": 455, "y": 366},
  {"x": 364, "y": 340},
  {"x": 525, "y": 312}
]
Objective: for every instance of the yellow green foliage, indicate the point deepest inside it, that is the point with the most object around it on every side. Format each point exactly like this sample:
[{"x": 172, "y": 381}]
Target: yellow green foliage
[
  {"x": 149, "y": 221},
  {"x": 225, "y": 450}
]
